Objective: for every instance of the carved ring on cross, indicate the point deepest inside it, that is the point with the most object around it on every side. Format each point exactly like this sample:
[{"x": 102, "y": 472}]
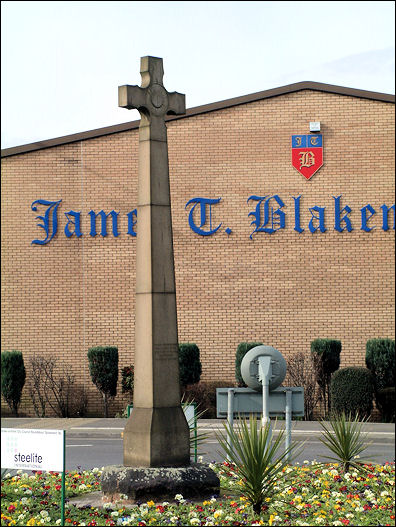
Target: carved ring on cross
[{"x": 158, "y": 97}]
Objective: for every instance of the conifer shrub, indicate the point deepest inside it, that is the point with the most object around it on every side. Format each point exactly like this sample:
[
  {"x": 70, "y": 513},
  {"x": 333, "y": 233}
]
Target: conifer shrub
[
  {"x": 103, "y": 367},
  {"x": 242, "y": 349},
  {"x": 190, "y": 366},
  {"x": 352, "y": 392},
  {"x": 13, "y": 376},
  {"x": 380, "y": 360},
  {"x": 325, "y": 354}
]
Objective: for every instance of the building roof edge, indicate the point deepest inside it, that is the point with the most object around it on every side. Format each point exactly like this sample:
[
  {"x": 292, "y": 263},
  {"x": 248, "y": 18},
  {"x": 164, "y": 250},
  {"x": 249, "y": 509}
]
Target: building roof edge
[{"x": 197, "y": 110}]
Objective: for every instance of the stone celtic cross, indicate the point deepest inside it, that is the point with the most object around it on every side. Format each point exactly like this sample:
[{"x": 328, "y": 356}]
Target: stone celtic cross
[
  {"x": 151, "y": 99},
  {"x": 156, "y": 434}
]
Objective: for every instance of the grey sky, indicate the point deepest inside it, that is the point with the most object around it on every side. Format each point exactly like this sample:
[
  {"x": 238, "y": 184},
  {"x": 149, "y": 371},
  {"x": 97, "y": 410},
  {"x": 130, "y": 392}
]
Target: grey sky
[{"x": 63, "y": 61}]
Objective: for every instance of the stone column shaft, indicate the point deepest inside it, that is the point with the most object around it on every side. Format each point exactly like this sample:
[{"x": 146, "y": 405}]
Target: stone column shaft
[{"x": 156, "y": 434}]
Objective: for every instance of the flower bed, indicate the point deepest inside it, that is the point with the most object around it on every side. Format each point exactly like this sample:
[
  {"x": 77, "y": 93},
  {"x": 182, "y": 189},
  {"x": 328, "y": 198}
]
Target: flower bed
[{"x": 314, "y": 496}]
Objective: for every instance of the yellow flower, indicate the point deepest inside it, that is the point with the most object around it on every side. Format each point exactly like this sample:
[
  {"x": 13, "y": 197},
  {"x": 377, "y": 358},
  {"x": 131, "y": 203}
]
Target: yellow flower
[
  {"x": 32, "y": 521},
  {"x": 150, "y": 503}
]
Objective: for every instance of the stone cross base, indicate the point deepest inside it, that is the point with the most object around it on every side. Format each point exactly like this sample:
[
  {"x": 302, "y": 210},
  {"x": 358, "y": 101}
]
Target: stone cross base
[
  {"x": 153, "y": 438},
  {"x": 128, "y": 485}
]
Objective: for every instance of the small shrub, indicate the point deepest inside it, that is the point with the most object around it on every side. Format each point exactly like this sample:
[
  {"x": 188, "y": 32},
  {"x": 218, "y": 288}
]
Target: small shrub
[
  {"x": 127, "y": 379},
  {"x": 190, "y": 367},
  {"x": 54, "y": 385},
  {"x": 103, "y": 367},
  {"x": 79, "y": 403},
  {"x": 380, "y": 360},
  {"x": 241, "y": 351},
  {"x": 300, "y": 372},
  {"x": 385, "y": 400},
  {"x": 204, "y": 394},
  {"x": 38, "y": 382},
  {"x": 325, "y": 355},
  {"x": 13, "y": 376},
  {"x": 352, "y": 391},
  {"x": 60, "y": 383}
]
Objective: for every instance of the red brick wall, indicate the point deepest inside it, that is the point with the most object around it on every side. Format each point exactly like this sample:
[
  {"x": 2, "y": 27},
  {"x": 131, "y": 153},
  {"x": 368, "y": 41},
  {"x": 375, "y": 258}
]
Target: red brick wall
[{"x": 283, "y": 289}]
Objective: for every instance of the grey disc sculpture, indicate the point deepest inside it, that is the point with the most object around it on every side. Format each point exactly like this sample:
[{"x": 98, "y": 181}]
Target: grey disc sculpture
[{"x": 250, "y": 370}]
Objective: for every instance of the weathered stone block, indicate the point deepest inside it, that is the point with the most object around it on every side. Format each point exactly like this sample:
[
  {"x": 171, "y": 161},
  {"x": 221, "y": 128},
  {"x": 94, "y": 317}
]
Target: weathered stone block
[{"x": 142, "y": 484}]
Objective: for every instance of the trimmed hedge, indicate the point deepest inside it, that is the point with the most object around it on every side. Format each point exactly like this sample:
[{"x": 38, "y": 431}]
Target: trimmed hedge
[
  {"x": 380, "y": 360},
  {"x": 352, "y": 391},
  {"x": 326, "y": 358},
  {"x": 103, "y": 367},
  {"x": 241, "y": 351},
  {"x": 325, "y": 354},
  {"x": 385, "y": 399},
  {"x": 13, "y": 376},
  {"x": 190, "y": 366}
]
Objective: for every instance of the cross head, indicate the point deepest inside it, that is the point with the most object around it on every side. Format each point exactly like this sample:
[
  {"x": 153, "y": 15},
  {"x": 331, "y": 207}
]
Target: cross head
[{"x": 151, "y": 99}]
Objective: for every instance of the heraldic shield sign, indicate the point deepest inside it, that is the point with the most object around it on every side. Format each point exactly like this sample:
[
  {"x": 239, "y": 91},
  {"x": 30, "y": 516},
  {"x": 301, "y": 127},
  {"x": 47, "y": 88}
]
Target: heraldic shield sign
[{"x": 307, "y": 153}]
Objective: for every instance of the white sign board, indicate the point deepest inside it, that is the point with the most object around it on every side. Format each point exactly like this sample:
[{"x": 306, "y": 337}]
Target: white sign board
[
  {"x": 189, "y": 413},
  {"x": 32, "y": 449}
]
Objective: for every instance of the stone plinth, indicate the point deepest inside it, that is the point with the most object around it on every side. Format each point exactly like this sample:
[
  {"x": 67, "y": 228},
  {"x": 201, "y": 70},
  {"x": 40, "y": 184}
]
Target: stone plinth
[{"x": 142, "y": 484}]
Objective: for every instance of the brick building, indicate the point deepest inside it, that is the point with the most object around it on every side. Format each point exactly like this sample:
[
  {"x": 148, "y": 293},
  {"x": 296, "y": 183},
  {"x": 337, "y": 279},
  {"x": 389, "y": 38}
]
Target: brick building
[{"x": 326, "y": 270}]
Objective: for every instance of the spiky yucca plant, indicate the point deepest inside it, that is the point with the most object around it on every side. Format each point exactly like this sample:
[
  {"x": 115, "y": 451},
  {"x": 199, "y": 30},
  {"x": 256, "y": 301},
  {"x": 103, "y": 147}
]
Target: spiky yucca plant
[
  {"x": 257, "y": 457},
  {"x": 196, "y": 439},
  {"x": 345, "y": 438}
]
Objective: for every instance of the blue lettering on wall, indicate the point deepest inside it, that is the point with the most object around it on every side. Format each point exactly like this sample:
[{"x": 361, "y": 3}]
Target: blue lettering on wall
[
  {"x": 50, "y": 224},
  {"x": 104, "y": 216},
  {"x": 268, "y": 217},
  {"x": 338, "y": 212},
  {"x": 365, "y": 219},
  {"x": 132, "y": 223},
  {"x": 297, "y": 226},
  {"x": 320, "y": 217},
  {"x": 275, "y": 218},
  {"x": 204, "y": 203},
  {"x": 385, "y": 211},
  {"x": 76, "y": 223}
]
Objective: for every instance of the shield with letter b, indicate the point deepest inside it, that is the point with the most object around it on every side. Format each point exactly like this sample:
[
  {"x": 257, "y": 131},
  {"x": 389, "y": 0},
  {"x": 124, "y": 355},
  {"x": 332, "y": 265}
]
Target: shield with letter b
[{"x": 307, "y": 153}]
